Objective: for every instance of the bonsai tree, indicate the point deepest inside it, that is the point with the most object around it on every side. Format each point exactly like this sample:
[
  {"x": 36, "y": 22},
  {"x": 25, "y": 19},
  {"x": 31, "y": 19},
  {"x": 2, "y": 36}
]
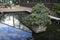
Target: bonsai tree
[{"x": 38, "y": 19}]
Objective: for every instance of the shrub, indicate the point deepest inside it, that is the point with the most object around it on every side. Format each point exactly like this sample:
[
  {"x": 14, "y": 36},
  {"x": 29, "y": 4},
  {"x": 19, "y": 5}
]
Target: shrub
[
  {"x": 57, "y": 9},
  {"x": 38, "y": 18}
]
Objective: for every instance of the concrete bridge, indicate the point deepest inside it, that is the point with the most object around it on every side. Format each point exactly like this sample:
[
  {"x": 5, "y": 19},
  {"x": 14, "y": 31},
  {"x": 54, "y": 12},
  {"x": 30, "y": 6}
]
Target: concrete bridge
[{"x": 15, "y": 9}]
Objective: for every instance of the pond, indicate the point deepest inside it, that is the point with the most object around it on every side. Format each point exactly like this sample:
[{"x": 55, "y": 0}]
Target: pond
[{"x": 12, "y": 19}]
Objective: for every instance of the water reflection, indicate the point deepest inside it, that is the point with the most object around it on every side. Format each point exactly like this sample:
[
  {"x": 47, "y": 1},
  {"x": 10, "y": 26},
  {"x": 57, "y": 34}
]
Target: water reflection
[{"x": 12, "y": 20}]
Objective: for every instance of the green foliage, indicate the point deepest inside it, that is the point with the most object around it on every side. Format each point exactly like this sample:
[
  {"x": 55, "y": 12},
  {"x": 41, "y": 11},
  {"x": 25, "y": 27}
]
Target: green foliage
[
  {"x": 57, "y": 6},
  {"x": 40, "y": 8},
  {"x": 58, "y": 13},
  {"x": 57, "y": 9},
  {"x": 8, "y": 3},
  {"x": 38, "y": 17}
]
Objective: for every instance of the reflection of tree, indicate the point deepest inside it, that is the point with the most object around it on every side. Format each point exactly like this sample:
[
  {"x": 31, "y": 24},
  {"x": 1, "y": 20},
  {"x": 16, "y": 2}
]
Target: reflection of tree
[
  {"x": 14, "y": 18},
  {"x": 2, "y": 17}
]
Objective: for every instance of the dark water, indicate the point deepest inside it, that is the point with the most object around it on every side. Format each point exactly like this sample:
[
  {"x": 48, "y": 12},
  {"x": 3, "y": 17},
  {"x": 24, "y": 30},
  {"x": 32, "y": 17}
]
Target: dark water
[{"x": 52, "y": 33}]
